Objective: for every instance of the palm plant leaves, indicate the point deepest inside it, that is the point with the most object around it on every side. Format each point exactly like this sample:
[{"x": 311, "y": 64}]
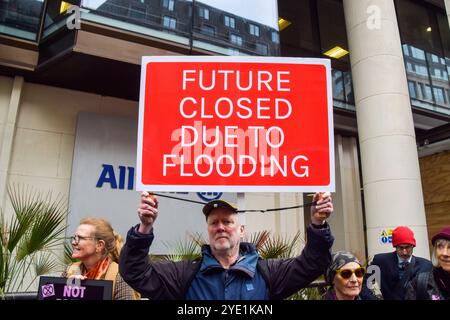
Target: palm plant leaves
[
  {"x": 259, "y": 239},
  {"x": 46, "y": 229},
  {"x": 189, "y": 250},
  {"x": 67, "y": 257},
  {"x": 279, "y": 247},
  {"x": 26, "y": 240},
  {"x": 44, "y": 264}
]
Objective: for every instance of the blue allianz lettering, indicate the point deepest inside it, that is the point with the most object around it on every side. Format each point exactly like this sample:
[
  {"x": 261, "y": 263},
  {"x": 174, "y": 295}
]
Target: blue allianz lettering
[{"x": 108, "y": 176}]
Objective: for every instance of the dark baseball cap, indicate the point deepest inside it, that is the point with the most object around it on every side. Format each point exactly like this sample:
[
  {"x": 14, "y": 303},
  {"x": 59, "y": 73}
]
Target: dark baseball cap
[{"x": 210, "y": 206}]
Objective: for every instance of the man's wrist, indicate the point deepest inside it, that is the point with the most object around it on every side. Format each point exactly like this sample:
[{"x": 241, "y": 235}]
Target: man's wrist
[
  {"x": 319, "y": 224},
  {"x": 144, "y": 229}
]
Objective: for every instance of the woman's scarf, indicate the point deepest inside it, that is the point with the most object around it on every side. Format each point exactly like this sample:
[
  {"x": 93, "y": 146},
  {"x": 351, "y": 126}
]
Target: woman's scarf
[{"x": 99, "y": 271}]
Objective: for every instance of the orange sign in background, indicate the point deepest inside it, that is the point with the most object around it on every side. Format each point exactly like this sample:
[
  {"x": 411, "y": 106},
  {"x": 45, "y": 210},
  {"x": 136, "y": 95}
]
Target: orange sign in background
[{"x": 235, "y": 124}]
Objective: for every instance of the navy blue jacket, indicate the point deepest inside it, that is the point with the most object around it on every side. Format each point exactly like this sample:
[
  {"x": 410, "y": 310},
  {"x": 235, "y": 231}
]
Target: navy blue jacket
[
  {"x": 188, "y": 280},
  {"x": 390, "y": 280},
  {"x": 241, "y": 281}
]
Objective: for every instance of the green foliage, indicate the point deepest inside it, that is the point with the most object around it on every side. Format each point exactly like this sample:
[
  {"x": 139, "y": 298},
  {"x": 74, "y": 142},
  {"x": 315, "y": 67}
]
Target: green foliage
[
  {"x": 189, "y": 250},
  {"x": 28, "y": 238},
  {"x": 67, "y": 257}
]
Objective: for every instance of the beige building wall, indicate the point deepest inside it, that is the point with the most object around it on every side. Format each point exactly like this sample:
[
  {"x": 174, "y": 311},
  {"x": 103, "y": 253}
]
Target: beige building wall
[
  {"x": 5, "y": 96},
  {"x": 284, "y": 223},
  {"x": 347, "y": 220},
  {"x": 40, "y": 155},
  {"x": 42, "y": 149}
]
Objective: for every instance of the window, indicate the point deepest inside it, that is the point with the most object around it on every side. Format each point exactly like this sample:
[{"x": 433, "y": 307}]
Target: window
[
  {"x": 439, "y": 95},
  {"x": 236, "y": 39},
  {"x": 233, "y": 51},
  {"x": 338, "y": 84},
  {"x": 169, "y": 22},
  {"x": 434, "y": 58},
  {"x": 203, "y": 13},
  {"x": 409, "y": 67},
  {"x": 405, "y": 49},
  {"x": 426, "y": 91},
  {"x": 412, "y": 89},
  {"x": 137, "y": 13},
  {"x": 229, "y": 22},
  {"x": 275, "y": 37},
  {"x": 261, "y": 49},
  {"x": 418, "y": 54},
  {"x": 254, "y": 29},
  {"x": 421, "y": 70},
  {"x": 169, "y": 4},
  {"x": 208, "y": 30}
]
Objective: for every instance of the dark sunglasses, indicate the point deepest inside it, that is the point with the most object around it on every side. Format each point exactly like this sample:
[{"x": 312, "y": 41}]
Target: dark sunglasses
[{"x": 347, "y": 273}]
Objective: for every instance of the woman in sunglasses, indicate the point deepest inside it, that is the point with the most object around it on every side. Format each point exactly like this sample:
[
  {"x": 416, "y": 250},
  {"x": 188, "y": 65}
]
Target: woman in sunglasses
[
  {"x": 344, "y": 276},
  {"x": 97, "y": 246}
]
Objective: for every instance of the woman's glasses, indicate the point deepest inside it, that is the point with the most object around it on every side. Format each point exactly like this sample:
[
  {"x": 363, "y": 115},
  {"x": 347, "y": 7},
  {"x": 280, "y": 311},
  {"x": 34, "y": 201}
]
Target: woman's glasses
[
  {"x": 347, "y": 273},
  {"x": 77, "y": 238}
]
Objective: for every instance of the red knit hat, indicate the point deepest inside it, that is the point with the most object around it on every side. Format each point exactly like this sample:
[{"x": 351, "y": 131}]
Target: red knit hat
[
  {"x": 443, "y": 234},
  {"x": 403, "y": 235}
]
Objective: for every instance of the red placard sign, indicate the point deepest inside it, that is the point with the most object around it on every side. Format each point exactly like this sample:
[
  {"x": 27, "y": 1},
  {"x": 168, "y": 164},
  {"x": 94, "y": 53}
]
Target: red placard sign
[{"x": 235, "y": 124}]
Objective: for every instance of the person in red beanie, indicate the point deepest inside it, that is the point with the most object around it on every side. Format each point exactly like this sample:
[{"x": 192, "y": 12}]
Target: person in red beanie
[
  {"x": 397, "y": 268},
  {"x": 434, "y": 285}
]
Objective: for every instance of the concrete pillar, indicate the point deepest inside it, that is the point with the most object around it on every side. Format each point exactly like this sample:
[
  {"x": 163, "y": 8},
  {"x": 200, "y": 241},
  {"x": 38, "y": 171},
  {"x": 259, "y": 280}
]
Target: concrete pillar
[
  {"x": 447, "y": 8},
  {"x": 390, "y": 166},
  {"x": 8, "y": 136}
]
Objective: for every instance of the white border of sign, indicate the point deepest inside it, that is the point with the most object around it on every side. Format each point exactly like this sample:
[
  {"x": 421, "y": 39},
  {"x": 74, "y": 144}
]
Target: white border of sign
[{"x": 234, "y": 188}]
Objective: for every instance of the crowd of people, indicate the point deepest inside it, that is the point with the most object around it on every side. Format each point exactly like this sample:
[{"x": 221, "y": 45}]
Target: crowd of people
[{"x": 231, "y": 269}]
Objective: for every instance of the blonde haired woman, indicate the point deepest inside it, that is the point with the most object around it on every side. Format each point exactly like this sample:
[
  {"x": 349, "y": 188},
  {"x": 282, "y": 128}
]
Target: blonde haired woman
[
  {"x": 98, "y": 246},
  {"x": 434, "y": 285}
]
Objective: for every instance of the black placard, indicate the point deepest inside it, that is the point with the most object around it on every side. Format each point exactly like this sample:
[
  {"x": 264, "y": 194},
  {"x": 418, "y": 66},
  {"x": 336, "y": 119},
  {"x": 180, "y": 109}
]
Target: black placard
[{"x": 58, "y": 288}]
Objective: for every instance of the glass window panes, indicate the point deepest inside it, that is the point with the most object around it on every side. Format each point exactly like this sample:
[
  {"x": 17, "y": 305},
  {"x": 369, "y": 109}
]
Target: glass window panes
[
  {"x": 338, "y": 85},
  {"x": 230, "y": 22},
  {"x": 169, "y": 4},
  {"x": 203, "y": 13},
  {"x": 261, "y": 49},
  {"x": 275, "y": 37},
  {"x": 254, "y": 29},
  {"x": 412, "y": 89},
  {"x": 236, "y": 39},
  {"x": 208, "y": 30},
  {"x": 418, "y": 53},
  {"x": 20, "y": 18},
  {"x": 169, "y": 22},
  {"x": 424, "y": 31},
  {"x": 439, "y": 95},
  {"x": 137, "y": 12}
]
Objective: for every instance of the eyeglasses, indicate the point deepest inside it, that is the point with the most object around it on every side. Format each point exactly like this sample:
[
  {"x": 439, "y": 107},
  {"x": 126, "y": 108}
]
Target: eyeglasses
[
  {"x": 77, "y": 238},
  {"x": 347, "y": 273}
]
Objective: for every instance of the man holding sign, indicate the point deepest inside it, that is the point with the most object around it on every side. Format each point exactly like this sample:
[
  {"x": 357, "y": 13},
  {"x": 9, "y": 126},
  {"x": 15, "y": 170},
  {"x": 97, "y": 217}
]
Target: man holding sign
[
  {"x": 235, "y": 124},
  {"x": 232, "y": 124},
  {"x": 228, "y": 269}
]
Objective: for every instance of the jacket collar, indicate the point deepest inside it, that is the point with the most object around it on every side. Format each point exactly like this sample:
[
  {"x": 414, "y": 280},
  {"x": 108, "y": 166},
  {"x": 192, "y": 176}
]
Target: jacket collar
[{"x": 246, "y": 263}]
